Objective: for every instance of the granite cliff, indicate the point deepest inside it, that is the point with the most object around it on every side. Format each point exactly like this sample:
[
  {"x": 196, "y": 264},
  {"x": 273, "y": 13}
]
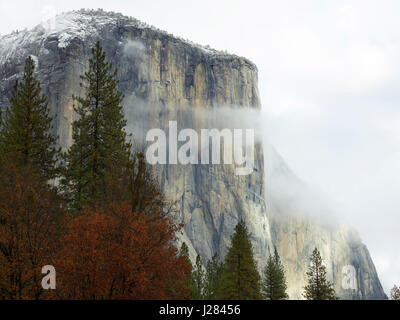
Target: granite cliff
[{"x": 166, "y": 78}]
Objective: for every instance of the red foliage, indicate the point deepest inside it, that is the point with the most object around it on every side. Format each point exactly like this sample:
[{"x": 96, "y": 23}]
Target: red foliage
[
  {"x": 395, "y": 293},
  {"x": 30, "y": 226},
  {"x": 119, "y": 255}
]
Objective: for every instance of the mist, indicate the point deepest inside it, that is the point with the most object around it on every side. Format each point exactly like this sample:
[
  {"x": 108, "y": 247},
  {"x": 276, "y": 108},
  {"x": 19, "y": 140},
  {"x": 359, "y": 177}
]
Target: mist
[
  {"x": 133, "y": 48},
  {"x": 347, "y": 166}
]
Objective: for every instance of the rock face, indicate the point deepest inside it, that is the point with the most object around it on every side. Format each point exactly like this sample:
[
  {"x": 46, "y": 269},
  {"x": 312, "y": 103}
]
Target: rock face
[
  {"x": 300, "y": 221},
  {"x": 165, "y": 78}
]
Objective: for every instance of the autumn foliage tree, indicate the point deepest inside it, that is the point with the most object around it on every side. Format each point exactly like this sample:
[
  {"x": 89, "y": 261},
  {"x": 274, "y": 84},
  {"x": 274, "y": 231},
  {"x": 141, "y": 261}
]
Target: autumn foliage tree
[
  {"x": 121, "y": 256},
  {"x": 30, "y": 227},
  {"x": 395, "y": 293},
  {"x": 113, "y": 235},
  {"x": 30, "y": 210},
  {"x": 121, "y": 236}
]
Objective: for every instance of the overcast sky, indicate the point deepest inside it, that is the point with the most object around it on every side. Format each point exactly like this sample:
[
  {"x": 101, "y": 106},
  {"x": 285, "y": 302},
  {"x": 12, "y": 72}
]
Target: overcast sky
[{"x": 329, "y": 79}]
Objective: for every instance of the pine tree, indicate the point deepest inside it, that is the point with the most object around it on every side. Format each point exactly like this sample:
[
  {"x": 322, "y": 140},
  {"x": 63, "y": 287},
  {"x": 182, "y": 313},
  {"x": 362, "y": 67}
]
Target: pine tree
[
  {"x": 241, "y": 280},
  {"x": 197, "y": 280},
  {"x": 274, "y": 281},
  {"x": 184, "y": 251},
  {"x": 318, "y": 288},
  {"x": 213, "y": 281},
  {"x": 100, "y": 142},
  {"x": 26, "y": 128},
  {"x": 189, "y": 283}
]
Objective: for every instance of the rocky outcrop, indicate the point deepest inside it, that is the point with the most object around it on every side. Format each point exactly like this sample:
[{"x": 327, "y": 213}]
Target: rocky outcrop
[
  {"x": 165, "y": 78},
  {"x": 300, "y": 221}
]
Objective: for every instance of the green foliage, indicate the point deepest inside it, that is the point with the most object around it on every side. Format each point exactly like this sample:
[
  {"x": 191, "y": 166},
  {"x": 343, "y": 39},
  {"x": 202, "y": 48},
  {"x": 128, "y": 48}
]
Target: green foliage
[
  {"x": 273, "y": 284},
  {"x": 197, "y": 280},
  {"x": 184, "y": 251},
  {"x": 100, "y": 154},
  {"x": 203, "y": 284},
  {"x": 196, "y": 276},
  {"x": 318, "y": 288},
  {"x": 240, "y": 278},
  {"x": 213, "y": 278},
  {"x": 189, "y": 283},
  {"x": 25, "y": 130}
]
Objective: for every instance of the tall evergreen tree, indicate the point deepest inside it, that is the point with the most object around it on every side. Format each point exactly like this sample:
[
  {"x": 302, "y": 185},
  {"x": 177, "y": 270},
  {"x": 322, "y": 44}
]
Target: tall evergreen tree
[
  {"x": 273, "y": 284},
  {"x": 26, "y": 128},
  {"x": 241, "y": 280},
  {"x": 213, "y": 279},
  {"x": 318, "y": 288},
  {"x": 184, "y": 252},
  {"x": 189, "y": 283},
  {"x": 197, "y": 280},
  {"x": 100, "y": 141}
]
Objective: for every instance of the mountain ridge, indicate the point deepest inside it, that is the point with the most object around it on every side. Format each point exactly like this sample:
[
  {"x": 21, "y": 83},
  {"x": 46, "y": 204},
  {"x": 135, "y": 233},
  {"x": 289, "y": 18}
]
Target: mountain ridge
[{"x": 79, "y": 24}]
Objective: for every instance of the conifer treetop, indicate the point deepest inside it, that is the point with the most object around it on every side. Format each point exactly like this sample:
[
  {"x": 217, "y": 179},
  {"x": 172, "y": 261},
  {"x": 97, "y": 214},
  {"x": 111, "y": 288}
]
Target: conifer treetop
[
  {"x": 318, "y": 287},
  {"x": 26, "y": 128},
  {"x": 241, "y": 280}
]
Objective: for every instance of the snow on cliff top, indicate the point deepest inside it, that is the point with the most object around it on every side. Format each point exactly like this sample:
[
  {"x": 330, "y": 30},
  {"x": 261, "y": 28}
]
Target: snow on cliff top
[
  {"x": 73, "y": 24},
  {"x": 64, "y": 27}
]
